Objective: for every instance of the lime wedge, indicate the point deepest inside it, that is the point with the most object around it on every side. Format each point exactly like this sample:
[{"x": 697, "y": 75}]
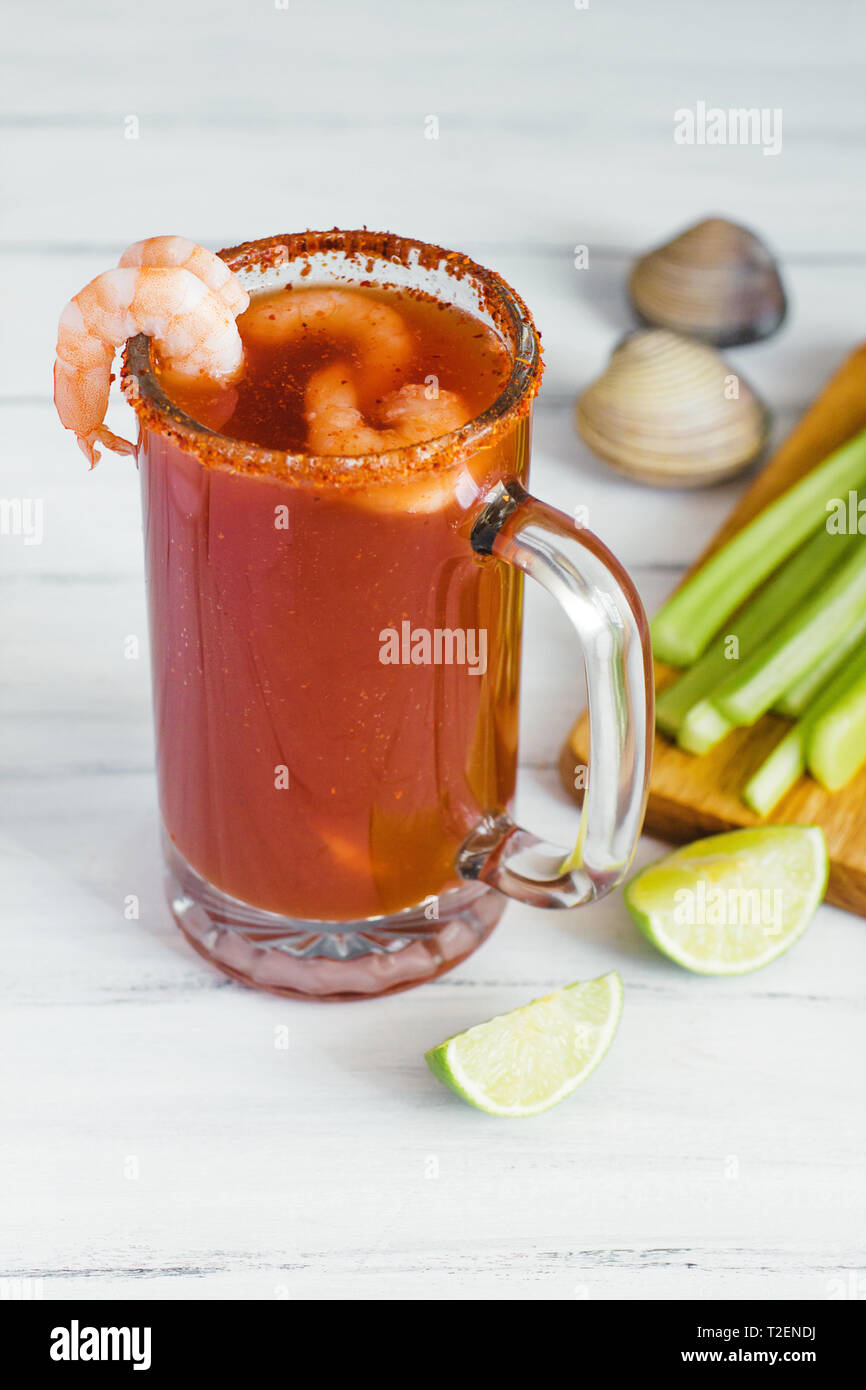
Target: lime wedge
[
  {"x": 732, "y": 903},
  {"x": 531, "y": 1058}
]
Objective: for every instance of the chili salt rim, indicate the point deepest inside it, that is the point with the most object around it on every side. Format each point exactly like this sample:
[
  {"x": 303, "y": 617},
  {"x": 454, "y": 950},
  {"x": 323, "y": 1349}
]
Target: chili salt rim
[{"x": 156, "y": 411}]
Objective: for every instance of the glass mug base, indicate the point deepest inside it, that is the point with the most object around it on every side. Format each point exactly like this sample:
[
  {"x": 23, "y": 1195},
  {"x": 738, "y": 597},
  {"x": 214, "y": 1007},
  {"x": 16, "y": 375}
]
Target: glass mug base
[{"x": 323, "y": 960}]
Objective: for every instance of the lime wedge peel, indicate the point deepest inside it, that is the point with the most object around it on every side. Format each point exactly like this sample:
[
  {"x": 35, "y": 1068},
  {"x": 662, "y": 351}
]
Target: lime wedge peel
[
  {"x": 730, "y": 904},
  {"x": 528, "y": 1060}
]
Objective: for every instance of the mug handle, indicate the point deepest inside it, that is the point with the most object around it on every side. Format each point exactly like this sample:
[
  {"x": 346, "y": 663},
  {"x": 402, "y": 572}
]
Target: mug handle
[{"x": 604, "y": 608}]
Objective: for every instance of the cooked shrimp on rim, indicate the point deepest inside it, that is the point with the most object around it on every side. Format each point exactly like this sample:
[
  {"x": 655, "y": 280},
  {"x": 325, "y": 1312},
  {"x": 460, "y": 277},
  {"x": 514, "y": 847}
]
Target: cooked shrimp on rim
[{"x": 185, "y": 298}]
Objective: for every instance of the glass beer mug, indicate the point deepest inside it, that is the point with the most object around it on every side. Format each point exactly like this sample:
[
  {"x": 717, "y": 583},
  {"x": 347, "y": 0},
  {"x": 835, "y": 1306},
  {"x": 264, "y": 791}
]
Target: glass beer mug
[{"x": 336, "y": 659}]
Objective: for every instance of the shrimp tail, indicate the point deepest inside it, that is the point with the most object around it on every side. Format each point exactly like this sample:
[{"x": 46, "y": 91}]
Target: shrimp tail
[{"x": 87, "y": 443}]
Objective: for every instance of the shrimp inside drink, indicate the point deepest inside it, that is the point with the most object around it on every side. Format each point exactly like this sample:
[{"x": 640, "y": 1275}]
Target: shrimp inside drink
[
  {"x": 410, "y": 368},
  {"x": 335, "y": 669}
]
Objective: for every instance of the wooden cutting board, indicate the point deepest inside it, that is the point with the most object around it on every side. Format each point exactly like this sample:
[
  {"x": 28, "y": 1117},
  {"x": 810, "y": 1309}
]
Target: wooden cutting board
[{"x": 690, "y": 796}]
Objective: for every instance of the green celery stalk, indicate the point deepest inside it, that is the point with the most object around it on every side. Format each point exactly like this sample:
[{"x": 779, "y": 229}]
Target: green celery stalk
[
  {"x": 787, "y": 761},
  {"x": 686, "y": 623},
  {"x": 802, "y": 639},
  {"x": 703, "y": 727},
  {"x": 783, "y": 591},
  {"x": 777, "y": 773},
  {"x": 836, "y": 747},
  {"x": 801, "y": 694}
]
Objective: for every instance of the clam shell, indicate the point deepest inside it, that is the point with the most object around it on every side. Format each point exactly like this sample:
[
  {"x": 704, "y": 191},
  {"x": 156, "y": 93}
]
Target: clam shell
[
  {"x": 717, "y": 282},
  {"x": 661, "y": 411}
]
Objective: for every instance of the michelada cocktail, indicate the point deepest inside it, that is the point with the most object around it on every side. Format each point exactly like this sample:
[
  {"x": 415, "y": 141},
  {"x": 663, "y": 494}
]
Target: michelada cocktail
[{"x": 336, "y": 528}]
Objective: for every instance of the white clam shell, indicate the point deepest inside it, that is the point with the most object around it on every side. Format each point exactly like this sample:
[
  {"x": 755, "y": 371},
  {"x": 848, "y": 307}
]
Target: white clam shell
[
  {"x": 716, "y": 281},
  {"x": 669, "y": 410}
]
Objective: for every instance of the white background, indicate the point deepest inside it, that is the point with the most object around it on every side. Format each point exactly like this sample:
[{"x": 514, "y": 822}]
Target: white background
[{"x": 720, "y": 1148}]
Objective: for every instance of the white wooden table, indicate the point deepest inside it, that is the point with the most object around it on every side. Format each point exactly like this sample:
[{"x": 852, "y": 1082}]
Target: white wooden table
[{"x": 156, "y": 1140}]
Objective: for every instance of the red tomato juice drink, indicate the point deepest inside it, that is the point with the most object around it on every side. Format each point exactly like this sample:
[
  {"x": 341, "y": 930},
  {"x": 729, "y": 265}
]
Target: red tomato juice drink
[{"x": 335, "y": 627}]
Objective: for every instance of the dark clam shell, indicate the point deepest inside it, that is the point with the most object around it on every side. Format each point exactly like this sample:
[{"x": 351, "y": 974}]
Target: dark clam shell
[{"x": 716, "y": 281}]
